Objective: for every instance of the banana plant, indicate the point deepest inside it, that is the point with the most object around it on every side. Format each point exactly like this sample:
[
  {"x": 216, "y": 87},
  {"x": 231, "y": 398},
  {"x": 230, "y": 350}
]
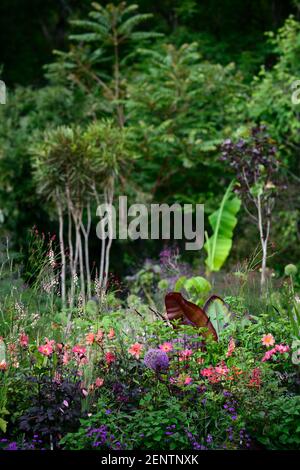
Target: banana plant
[
  {"x": 197, "y": 288},
  {"x": 213, "y": 316},
  {"x": 223, "y": 222}
]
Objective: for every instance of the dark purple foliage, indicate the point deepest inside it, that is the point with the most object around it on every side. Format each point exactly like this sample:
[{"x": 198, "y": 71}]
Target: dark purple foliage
[
  {"x": 55, "y": 410},
  {"x": 252, "y": 160}
]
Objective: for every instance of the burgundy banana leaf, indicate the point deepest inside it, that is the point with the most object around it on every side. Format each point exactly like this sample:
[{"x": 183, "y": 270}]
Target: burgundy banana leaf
[{"x": 178, "y": 307}]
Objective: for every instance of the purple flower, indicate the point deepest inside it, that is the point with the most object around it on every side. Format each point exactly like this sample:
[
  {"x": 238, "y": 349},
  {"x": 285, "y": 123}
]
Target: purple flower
[
  {"x": 99, "y": 435},
  {"x": 156, "y": 359},
  {"x": 195, "y": 444},
  {"x": 165, "y": 255},
  {"x": 201, "y": 388},
  {"x": 12, "y": 446}
]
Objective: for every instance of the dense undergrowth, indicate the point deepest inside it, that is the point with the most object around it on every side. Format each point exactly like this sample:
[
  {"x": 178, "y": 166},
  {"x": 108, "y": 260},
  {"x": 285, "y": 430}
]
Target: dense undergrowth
[{"x": 116, "y": 374}]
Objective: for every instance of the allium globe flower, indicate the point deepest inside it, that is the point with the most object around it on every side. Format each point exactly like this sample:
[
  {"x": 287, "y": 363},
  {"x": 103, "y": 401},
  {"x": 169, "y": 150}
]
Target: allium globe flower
[
  {"x": 290, "y": 270},
  {"x": 156, "y": 359}
]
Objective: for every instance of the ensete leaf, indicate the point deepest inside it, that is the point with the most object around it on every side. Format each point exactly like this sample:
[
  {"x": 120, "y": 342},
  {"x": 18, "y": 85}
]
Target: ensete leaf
[
  {"x": 178, "y": 307},
  {"x": 218, "y": 312},
  {"x": 223, "y": 222}
]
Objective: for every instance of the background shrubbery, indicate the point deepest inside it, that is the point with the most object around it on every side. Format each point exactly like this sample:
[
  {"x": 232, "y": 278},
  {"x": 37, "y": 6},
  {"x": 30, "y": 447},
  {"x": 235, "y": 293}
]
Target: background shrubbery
[{"x": 164, "y": 102}]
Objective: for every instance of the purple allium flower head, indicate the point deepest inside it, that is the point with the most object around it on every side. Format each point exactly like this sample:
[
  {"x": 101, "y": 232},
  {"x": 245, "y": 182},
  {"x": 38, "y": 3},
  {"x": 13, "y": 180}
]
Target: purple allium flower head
[{"x": 156, "y": 359}]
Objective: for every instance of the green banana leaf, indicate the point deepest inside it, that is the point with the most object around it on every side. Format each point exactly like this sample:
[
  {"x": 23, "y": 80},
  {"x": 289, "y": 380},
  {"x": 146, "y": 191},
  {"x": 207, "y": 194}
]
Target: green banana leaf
[
  {"x": 218, "y": 312},
  {"x": 223, "y": 222}
]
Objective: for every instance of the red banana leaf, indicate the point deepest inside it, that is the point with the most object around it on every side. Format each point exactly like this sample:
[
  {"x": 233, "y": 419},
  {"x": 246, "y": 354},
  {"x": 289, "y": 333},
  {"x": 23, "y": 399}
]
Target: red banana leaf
[{"x": 178, "y": 307}]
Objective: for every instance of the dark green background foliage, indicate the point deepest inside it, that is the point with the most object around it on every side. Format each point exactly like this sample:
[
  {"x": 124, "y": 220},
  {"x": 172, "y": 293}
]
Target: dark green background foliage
[
  {"x": 227, "y": 30},
  {"x": 210, "y": 74}
]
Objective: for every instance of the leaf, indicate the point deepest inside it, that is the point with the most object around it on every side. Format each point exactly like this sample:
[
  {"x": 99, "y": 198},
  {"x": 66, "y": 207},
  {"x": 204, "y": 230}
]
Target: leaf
[
  {"x": 197, "y": 285},
  {"x": 179, "y": 283},
  {"x": 223, "y": 222},
  {"x": 3, "y": 425},
  {"x": 218, "y": 312},
  {"x": 178, "y": 307},
  {"x": 197, "y": 288},
  {"x": 257, "y": 190},
  {"x": 91, "y": 309},
  {"x": 2, "y": 351}
]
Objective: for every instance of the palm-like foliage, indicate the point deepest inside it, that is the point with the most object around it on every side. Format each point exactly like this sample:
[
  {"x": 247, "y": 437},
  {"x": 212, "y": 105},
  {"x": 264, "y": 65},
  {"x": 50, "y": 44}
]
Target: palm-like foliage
[
  {"x": 78, "y": 160},
  {"x": 180, "y": 107},
  {"x": 108, "y": 153},
  {"x": 60, "y": 164},
  {"x": 103, "y": 50},
  {"x": 73, "y": 167},
  {"x": 112, "y": 25}
]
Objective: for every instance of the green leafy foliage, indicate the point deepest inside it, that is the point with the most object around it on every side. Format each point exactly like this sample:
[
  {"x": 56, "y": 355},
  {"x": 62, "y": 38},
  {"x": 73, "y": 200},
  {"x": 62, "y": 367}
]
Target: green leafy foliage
[
  {"x": 276, "y": 108},
  {"x": 279, "y": 424},
  {"x": 218, "y": 312},
  {"x": 223, "y": 222},
  {"x": 180, "y": 108},
  {"x": 137, "y": 101},
  {"x": 197, "y": 288}
]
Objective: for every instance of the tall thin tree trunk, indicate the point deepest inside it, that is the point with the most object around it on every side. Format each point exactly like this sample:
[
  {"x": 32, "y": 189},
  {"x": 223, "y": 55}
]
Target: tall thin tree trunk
[
  {"x": 78, "y": 258},
  {"x": 86, "y": 232},
  {"x": 71, "y": 249},
  {"x": 110, "y": 197},
  {"x": 81, "y": 266},
  {"x": 264, "y": 264},
  {"x": 102, "y": 274},
  {"x": 102, "y": 261},
  {"x": 117, "y": 76},
  {"x": 264, "y": 243},
  {"x": 102, "y": 253},
  {"x": 71, "y": 257},
  {"x": 62, "y": 252}
]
